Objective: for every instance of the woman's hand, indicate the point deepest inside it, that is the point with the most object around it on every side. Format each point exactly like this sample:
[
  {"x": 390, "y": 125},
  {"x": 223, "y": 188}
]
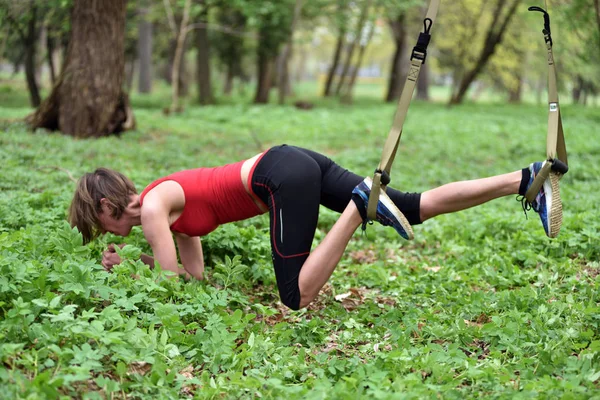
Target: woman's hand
[{"x": 110, "y": 257}]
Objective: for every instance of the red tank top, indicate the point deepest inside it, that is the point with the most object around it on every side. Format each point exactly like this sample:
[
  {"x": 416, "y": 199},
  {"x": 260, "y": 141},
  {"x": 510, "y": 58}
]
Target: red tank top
[{"x": 213, "y": 196}]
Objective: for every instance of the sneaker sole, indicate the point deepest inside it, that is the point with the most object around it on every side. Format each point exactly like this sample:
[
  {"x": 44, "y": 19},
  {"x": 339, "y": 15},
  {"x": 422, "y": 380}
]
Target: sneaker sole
[
  {"x": 385, "y": 199},
  {"x": 555, "y": 218}
]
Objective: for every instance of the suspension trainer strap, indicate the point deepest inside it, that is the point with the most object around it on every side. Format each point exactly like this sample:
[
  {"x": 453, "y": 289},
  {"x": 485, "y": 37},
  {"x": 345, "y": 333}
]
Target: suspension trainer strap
[
  {"x": 556, "y": 150},
  {"x": 381, "y": 178}
]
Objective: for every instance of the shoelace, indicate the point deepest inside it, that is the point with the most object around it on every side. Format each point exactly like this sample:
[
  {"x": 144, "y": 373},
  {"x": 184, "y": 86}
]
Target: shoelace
[{"x": 525, "y": 204}]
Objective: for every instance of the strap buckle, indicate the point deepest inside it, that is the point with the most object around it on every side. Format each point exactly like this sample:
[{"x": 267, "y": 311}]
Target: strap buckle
[
  {"x": 559, "y": 166},
  {"x": 385, "y": 177}
]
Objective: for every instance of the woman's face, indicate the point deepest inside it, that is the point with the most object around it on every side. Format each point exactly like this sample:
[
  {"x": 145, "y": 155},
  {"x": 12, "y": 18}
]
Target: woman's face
[{"x": 108, "y": 223}]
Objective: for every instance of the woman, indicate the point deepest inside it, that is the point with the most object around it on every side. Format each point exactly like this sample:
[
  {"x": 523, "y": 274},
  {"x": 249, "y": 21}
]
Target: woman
[{"x": 290, "y": 183}]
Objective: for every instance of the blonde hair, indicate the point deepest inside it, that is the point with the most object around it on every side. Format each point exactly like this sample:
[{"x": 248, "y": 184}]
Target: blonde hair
[{"x": 93, "y": 187}]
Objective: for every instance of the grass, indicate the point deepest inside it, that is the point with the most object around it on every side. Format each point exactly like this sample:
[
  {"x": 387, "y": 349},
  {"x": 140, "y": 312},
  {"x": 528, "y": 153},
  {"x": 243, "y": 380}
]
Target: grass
[{"x": 480, "y": 304}]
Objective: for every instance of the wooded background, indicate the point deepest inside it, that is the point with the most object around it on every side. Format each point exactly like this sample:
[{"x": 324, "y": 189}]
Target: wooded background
[{"x": 89, "y": 55}]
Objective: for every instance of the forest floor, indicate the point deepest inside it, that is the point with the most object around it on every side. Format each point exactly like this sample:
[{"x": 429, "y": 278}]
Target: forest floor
[{"x": 480, "y": 304}]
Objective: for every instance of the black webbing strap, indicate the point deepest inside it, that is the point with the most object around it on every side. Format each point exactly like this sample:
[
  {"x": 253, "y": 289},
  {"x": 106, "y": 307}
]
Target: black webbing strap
[
  {"x": 556, "y": 150},
  {"x": 381, "y": 177}
]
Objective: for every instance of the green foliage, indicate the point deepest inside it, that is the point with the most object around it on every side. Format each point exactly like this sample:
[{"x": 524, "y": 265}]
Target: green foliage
[{"x": 481, "y": 304}]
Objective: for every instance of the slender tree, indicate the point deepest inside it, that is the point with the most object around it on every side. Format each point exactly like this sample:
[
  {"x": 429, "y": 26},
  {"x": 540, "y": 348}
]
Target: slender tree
[
  {"x": 342, "y": 24},
  {"x": 283, "y": 73},
  {"x": 179, "y": 50},
  {"x": 205, "y": 94},
  {"x": 359, "y": 29},
  {"x": 144, "y": 49},
  {"x": 396, "y": 81},
  {"x": 494, "y": 36},
  {"x": 26, "y": 26},
  {"x": 274, "y": 22},
  {"x": 364, "y": 42}
]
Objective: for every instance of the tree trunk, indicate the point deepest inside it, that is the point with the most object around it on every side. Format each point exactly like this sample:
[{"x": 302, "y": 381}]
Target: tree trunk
[
  {"x": 514, "y": 95},
  {"x": 129, "y": 73},
  {"x": 361, "y": 23},
  {"x": 88, "y": 99},
  {"x": 179, "y": 55},
  {"x": 300, "y": 71},
  {"x": 395, "y": 85},
  {"x": 493, "y": 38},
  {"x": 30, "y": 61},
  {"x": 597, "y": 8},
  {"x": 423, "y": 83},
  {"x": 336, "y": 61},
  {"x": 267, "y": 51},
  {"x": 145, "y": 51},
  {"x": 228, "y": 87},
  {"x": 577, "y": 89},
  {"x": 347, "y": 97},
  {"x": 265, "y": 73},
  {"x": 283, "y": 78},
  {"x": 205, "y": 94},
  {"x": 40, "y": 51},
  {"x": 50, "y": 59}
]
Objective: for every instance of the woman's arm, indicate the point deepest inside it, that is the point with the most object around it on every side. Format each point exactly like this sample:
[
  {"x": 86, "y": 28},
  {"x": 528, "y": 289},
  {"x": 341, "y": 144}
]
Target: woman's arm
[
  {"x": 155, "y": 224},
  {"x": 190, "y": 253}
]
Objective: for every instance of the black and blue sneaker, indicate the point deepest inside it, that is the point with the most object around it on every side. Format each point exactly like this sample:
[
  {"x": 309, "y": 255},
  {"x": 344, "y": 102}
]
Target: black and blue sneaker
[
  {"x": 547, "y": 202},
  {"x": 387, "y": 212}
]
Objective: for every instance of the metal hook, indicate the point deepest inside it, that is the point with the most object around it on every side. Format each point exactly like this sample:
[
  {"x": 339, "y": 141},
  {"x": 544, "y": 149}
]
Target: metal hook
[
  {"x": 425, "y": 28},
  {"x": 546, "y": 18}
]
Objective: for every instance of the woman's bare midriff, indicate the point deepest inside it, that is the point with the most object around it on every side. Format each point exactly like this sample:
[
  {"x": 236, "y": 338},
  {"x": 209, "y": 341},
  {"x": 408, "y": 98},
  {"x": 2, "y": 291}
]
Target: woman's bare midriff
[{"x": 246, "y": 168}]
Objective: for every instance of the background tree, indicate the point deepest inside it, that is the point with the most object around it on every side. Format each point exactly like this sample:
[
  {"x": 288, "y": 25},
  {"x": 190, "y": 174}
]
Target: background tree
[
  {"x": 341, "y": 22},
  {"x": 24, "y": 20},
  {"x": 362, "y": 19},
  {"x": 274, "y": 21},
  {"x": 283, "y": 73},
  {"x": 88, "y": 98},
  {"x": 502, "y": 14},
  {"x": 576, "y": 32},
  {"x": 144, "y": 46},
  {"x": 230, "y": 43},
  {"x": 205, "y": 93}
]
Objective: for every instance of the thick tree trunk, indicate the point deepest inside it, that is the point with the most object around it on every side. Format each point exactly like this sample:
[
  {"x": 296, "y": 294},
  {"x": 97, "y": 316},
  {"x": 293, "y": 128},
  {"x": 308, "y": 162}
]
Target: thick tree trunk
[
  {"x": 493, "y": 38},
  {"x": 398, "y": 27},
  {"x": 336, "y": 62},
  {"x": 88, "y": 99},
  {"x": 144, "y": 45},
  {"x": 205, "y": 93}
]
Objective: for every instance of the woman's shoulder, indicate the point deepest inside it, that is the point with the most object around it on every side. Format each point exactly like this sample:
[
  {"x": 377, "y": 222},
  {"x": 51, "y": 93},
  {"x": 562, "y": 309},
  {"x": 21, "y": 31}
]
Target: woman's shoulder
[{"x": 162, "y": 193}]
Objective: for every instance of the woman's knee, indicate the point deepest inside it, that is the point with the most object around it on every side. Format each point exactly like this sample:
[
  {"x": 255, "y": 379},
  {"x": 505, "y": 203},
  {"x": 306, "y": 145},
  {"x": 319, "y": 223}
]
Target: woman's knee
[{"x": 291, "y": 299}]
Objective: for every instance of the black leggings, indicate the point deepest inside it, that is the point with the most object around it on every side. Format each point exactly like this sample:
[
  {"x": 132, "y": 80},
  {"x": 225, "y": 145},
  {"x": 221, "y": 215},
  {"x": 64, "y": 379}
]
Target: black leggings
[{"x": 293, "y": 182}]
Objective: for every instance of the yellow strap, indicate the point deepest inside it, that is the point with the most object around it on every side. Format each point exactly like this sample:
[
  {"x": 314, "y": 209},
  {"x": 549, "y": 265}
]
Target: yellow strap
[
  {"x": 555, "y": 138},
  {"x": 393, "y": 139}
]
